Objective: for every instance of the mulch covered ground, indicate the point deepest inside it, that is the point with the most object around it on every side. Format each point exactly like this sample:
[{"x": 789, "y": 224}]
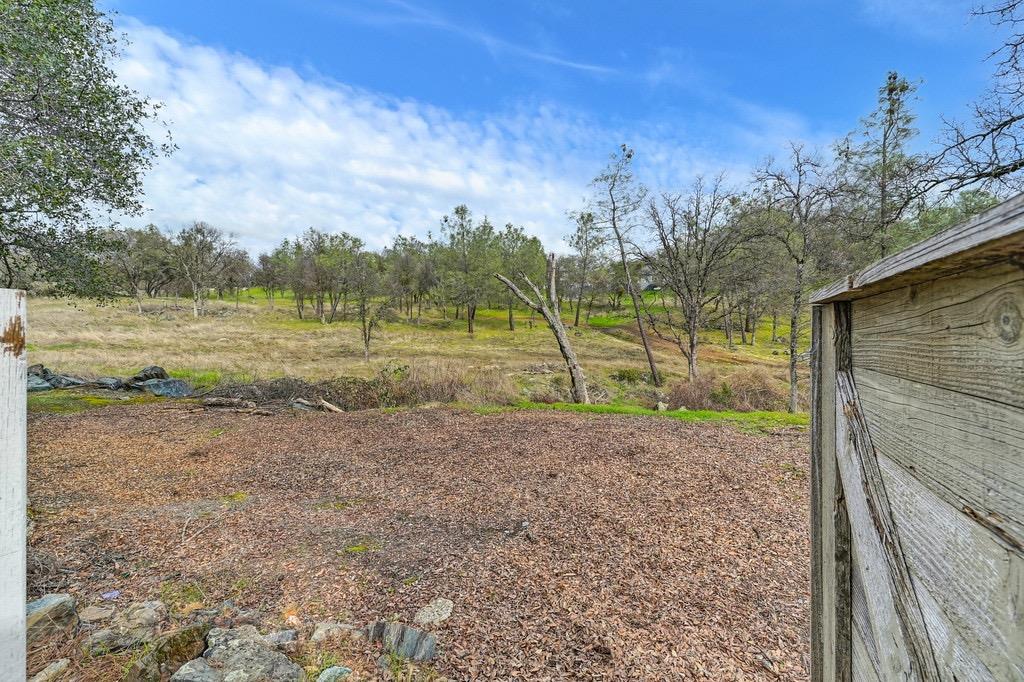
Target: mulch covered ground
[{"x": 573, "y": 546}]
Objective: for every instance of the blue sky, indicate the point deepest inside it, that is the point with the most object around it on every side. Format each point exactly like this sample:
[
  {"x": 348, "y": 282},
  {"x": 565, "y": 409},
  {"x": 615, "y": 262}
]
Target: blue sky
[{"x": 376, "y": 117}]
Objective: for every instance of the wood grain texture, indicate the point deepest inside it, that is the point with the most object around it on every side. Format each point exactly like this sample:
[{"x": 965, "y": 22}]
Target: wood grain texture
[
  {"x": 966, "y": 450},
  {"x": 831, "y": 653},
  {"x": 970, "y": 586},
  {"x": 964, "y": 333},
  {"x": 864, "y": 649},
  {"x": 873, "y": 527},
  {"x": 13, "y": 497},
  {"x": 997, "y": 234}
]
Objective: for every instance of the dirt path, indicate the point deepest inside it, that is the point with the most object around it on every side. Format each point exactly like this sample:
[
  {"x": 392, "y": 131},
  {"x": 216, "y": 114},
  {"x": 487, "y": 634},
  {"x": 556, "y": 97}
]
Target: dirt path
[{"x": 574, "y": 547}]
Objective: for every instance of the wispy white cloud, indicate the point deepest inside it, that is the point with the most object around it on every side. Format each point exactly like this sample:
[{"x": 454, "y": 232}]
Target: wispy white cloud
[
  {"x": 932, "y": 19},
  {"x": 401, "y": 12},
  {"x": 265, "y": 153}
]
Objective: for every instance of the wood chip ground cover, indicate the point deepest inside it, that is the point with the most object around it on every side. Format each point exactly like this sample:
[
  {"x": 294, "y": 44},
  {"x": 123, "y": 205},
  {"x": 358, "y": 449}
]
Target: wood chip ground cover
[{"x": 574, "y": 546}]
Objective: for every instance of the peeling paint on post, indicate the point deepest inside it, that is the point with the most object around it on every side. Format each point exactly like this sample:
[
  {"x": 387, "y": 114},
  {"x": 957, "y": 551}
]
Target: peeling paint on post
[{"x": 13, "y": 497}]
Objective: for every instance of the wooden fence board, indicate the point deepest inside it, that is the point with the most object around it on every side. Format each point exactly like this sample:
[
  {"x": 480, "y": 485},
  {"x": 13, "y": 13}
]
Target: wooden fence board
[
  {"x": 962, "y": 333},
  {"x": 993, "y": 235},
  {"x": 966, "y": 450},
  {"x": 830, "y": 571},
  {"x": 972, "y": 578}
]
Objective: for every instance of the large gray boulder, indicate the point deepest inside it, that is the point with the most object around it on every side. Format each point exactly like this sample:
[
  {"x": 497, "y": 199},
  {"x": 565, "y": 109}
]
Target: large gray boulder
[
  {"x": 50, "y": 614},
  {"x": 239, "y": 655},
  {"x": 167, "y": 388}
]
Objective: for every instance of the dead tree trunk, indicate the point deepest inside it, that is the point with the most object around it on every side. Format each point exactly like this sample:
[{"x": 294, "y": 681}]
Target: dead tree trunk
[{"x": 544, "y": 306}]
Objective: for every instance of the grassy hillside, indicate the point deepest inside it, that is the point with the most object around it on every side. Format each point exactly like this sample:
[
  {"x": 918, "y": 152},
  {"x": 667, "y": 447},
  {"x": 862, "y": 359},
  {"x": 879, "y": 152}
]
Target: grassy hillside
[{"x": 254, "y": 341}]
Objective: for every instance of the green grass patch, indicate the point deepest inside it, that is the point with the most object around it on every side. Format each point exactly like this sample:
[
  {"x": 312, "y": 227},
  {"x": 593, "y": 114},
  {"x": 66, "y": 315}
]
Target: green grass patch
[
  {"x": 607, "y": 321},
  {"x": 237, "y": 497},
  {"x": 756, "y": 421},
  {"x": 362, "y": 547},
  {"x": 181, "y": 597},
  {"x": 60, "y": 401}
]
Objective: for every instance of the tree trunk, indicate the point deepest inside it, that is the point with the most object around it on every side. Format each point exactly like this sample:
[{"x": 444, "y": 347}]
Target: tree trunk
[
  {"x": 794, "y": 328},
  {"x": 195, "y": 301},
  {"x": 545, "y": 307},
  {"x": 138, "y": 300},
  {"x": 511, "y": 318},
  {"x": 692, "y": 331},
  {"x": 655, "y": 375}
]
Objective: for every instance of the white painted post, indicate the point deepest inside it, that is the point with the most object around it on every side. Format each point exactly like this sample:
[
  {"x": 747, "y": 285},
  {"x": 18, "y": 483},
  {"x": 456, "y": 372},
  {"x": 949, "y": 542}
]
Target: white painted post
[{"x": 13, "y": 483}]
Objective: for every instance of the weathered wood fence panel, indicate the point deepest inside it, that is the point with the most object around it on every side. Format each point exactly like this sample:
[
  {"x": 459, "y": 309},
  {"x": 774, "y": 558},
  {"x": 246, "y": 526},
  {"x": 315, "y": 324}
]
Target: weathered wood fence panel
[
  {"x": 918, "y": 421},
  {"x": 12, "y": 483}
]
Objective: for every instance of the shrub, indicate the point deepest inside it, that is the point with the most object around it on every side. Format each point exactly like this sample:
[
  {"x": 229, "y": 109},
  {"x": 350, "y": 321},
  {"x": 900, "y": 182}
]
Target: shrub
[
  {"x": 393, "y": 386},
  {"x": 629, "y": 375},
  {"x": 746, "y": 390}
]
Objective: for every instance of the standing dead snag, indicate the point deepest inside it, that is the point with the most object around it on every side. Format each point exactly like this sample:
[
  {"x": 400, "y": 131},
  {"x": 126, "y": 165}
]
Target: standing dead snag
[{"x": 549, "y": 309}]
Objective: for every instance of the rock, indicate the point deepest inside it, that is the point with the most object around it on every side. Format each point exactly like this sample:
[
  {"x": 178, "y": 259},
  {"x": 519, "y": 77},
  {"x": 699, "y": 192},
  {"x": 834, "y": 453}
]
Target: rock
[
  {"x": 197, "y": 671},
  {"x": 94, "y": 614},
  {"x": 219, "y": 637},
  {"x": 403, "y": 641},
  {"x": 168, "y": 653},
  {"x": 147, "y": 373},
  {"x": 437, "y": 611},
  {"x": 247, "y": 660},
  {"x": 239, "y": 655},
  {"x": 283, "y": 640},
  {"x": 111, "y": 383},
  {"x": 36, "y": 383},
  {"x": 168, "y": 388},
  {"x": 330, "y": 630},
  {"x": 661, "y": 406},
  {"x": 141, "y": 616},
  {"x": 134, "y": 626},
  {"x": 65, "y": 381},
  {"x": 334, "y": 674},
  {"x": 50, "y": 614},
  {"x": 300, "y": 404},
  {"x": 54, "y": 671}
]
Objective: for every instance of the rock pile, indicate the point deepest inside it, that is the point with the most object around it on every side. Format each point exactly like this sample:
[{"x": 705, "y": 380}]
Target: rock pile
[
  {"x": 198, "y": 651},
  {"x": 152, "y": 379}
]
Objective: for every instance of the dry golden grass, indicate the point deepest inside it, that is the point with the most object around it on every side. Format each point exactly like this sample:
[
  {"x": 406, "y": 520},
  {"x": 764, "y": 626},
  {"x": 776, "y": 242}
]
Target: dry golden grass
[{"x": 255, "y": 341}]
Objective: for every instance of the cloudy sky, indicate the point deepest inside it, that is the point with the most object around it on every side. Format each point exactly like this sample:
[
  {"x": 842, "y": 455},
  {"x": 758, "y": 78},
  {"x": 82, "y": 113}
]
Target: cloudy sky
[{"x": 376, "y": 117}]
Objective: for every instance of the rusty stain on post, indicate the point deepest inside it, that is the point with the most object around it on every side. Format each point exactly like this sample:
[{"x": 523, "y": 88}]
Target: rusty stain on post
[{"x": 13, "y": 337}]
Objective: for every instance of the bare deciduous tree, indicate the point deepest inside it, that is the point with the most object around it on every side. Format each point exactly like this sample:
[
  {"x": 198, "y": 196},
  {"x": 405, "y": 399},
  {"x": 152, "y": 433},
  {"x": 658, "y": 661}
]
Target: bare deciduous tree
[
  {"x": 198, "y": 253},
  {"x": 548, "y": 308},
  {"x": 619, "y": 200},
  {"x": 989, "y": 150},
  {"x": 797, "y": 199},
  {"x": 694, "y": 238}
]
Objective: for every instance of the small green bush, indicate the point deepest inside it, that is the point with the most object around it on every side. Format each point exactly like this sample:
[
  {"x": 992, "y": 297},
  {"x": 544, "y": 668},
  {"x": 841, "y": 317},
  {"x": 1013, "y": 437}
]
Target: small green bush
[{"x": 629, "y": 375}]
